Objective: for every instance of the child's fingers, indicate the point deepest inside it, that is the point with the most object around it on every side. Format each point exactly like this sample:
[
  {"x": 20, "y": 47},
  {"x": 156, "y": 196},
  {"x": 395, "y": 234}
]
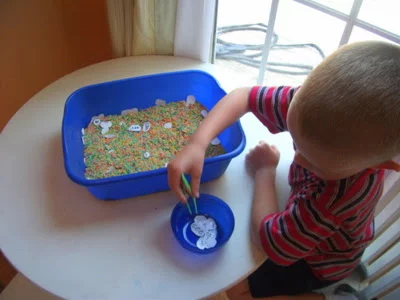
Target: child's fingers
[
  {"x": 195, "y": 184},
  {"x": 181, "y": 196},
  {"x": 174, "y": 182},
  {"x": 263, "y": 143}
]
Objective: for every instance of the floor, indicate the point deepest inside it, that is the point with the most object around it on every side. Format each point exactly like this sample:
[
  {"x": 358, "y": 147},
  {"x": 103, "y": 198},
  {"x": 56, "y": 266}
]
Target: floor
[{"x": 7, "y": 272}]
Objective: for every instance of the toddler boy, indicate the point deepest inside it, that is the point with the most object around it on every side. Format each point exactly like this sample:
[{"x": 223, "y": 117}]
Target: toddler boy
[{"x": 345, "y": 125}]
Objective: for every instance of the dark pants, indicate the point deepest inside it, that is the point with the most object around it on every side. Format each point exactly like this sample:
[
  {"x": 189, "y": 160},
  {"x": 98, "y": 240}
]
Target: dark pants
[{"x": 273, "y": 280}]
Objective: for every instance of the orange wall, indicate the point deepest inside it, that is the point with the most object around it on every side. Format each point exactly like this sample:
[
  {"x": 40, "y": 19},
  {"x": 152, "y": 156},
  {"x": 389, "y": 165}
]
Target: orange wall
[{"x": 42, "y": 40}]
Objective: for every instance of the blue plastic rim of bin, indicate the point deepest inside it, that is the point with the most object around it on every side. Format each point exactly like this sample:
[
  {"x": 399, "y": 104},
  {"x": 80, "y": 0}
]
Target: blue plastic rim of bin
[
  {"x": 110, "y": 98},
  {"x": 210, "y": 206}
]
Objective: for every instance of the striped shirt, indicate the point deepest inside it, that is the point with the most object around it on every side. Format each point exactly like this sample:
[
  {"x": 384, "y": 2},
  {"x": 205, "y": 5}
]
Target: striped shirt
[{"x": 326, "y": 223}]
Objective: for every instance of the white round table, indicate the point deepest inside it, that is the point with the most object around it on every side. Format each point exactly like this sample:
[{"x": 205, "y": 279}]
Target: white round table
[{"x": 77, "y": 247}]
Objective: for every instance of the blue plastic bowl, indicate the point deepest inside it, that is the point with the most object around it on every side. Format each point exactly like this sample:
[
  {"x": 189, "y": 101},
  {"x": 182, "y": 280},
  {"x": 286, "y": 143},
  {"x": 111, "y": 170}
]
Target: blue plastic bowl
[
  {"x": 210, "y": 206},
  {"x": 141, "y": 92}
]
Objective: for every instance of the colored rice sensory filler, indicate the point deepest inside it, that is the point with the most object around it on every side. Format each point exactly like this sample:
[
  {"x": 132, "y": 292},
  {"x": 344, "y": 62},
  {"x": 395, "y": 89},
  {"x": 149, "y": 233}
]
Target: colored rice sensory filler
[{"x": 141, "y": 140}]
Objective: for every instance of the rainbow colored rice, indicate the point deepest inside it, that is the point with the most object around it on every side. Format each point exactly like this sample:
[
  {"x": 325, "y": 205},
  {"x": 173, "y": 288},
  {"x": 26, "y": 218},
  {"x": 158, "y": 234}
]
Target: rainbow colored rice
[{"x": 125, "y": 152}]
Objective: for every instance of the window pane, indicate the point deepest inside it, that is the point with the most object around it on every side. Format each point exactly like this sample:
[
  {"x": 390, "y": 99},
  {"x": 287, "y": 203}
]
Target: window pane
[
  {"x": 381, "y": 13},
  {"x": 233, "y": 12},
  {"x": 359, "y": 34},
  {"x": 296, "y": 25},
  {"x": 343, "y": 6},
  {"x": 299, "y": 24}
]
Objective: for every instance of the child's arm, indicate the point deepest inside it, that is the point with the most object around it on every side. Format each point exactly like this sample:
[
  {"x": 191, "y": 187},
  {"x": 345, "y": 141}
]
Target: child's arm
[
  {"x": 262, "y": 162},
  {"x": 264, "y": 200},
  {"x": 228, "y": 110}
]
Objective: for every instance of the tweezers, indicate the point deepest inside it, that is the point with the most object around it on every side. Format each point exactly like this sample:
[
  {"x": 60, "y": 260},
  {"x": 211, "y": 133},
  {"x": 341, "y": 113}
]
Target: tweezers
[{"x": 188, "y": 189}]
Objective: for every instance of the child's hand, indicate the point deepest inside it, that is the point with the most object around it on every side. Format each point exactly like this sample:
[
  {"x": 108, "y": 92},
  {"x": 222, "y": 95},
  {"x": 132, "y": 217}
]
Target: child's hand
[
  {"x": 263, "y": 156},
  {"x": 189, "y": 161}
]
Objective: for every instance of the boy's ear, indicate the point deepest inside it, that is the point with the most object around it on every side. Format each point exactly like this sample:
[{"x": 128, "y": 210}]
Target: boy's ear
[{"x": 388, "y": 165}]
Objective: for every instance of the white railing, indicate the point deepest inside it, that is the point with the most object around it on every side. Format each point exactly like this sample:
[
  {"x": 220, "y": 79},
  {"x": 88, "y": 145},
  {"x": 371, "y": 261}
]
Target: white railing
[{"x": 382, "y": 257}]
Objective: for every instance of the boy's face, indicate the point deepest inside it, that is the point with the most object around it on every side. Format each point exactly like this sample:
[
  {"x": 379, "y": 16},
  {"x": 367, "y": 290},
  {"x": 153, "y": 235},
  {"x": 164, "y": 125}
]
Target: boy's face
[{"x": 322, "y": 162}]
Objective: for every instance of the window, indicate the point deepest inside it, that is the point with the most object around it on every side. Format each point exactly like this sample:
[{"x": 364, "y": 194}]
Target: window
[{"x": 302, "y": 33}]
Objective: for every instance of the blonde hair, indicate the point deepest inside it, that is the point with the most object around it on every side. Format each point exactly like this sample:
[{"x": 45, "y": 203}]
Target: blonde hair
[{"x": 351, "y": 101}]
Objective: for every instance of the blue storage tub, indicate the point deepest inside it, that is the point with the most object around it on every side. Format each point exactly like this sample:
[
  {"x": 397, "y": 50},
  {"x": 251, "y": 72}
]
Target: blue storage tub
[{"x": 141, "y": 92}]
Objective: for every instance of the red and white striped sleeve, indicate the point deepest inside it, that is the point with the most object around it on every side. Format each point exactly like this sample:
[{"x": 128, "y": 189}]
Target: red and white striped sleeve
[
  {"x": 294, "y": 233},
  {"x": 271, "y": 104}
]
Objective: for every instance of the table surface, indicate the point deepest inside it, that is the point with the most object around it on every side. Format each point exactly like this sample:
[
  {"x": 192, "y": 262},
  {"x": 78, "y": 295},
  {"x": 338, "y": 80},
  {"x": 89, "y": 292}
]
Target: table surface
[{"x": 77, "y": 247}]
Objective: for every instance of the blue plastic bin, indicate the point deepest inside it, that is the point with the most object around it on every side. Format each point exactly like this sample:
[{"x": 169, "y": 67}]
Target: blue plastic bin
[{"x": 140, "y": 92}]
